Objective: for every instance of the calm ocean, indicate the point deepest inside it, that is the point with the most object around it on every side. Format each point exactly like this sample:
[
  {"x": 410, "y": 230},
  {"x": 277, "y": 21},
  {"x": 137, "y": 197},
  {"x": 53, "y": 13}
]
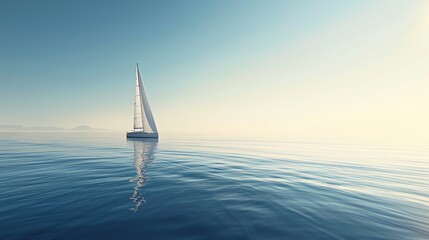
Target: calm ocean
[{"x": 101, "y": 186}]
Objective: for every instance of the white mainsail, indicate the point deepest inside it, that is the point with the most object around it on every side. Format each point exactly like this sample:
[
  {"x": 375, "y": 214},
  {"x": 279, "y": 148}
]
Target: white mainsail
[
  {"x": 138, "y": 118},
  {"x": 143, "y": 118}
]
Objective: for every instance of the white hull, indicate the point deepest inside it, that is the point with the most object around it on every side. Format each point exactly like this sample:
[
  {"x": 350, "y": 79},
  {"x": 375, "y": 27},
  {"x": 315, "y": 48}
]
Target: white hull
[{"x": 141, "y": 135}]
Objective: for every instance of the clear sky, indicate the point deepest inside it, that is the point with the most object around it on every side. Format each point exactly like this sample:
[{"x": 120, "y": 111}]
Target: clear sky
[{"x": 247, "y": 68}]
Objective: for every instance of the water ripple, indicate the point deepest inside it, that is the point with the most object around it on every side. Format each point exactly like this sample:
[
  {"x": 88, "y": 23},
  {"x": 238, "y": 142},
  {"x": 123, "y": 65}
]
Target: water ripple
[{"x": 66, "y": 186}]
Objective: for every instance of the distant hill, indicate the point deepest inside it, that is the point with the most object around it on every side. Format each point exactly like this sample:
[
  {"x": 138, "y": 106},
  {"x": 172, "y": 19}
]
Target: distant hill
[
  {"x": 84, "y": 128},
  {"x": 19, "y": 128}
]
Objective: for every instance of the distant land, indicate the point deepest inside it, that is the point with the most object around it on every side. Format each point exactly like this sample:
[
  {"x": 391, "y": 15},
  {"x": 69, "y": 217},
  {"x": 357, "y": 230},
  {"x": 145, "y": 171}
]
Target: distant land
[{"x": 19, "y": 128}]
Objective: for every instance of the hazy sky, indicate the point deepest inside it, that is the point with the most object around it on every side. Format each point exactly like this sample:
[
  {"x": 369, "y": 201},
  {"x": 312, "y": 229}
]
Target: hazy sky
[{"x": 355, "y": 69}]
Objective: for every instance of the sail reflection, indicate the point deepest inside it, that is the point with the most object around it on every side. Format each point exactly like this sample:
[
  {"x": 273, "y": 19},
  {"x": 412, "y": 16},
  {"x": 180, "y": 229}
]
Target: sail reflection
[{"x": 143, "y": 153}]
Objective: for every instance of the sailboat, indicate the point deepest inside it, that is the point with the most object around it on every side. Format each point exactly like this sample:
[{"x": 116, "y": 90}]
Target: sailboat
[{"x": 144, "y": 124}]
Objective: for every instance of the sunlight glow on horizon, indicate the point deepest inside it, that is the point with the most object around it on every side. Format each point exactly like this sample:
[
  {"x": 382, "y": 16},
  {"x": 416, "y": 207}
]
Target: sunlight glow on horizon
[{"x": 384, "y": 100}]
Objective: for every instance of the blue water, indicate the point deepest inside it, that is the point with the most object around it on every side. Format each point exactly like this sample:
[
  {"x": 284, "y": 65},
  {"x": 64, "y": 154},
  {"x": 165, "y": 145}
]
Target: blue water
[{"x": 101, "y": 186}]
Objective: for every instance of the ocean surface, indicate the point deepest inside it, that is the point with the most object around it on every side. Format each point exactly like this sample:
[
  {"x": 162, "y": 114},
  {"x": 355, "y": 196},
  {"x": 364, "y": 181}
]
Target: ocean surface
[{"x": 103, "y": 186}]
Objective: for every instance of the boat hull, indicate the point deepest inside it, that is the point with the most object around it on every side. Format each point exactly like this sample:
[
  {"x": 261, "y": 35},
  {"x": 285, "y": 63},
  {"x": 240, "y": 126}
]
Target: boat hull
[{"x": 141, "y": 135}]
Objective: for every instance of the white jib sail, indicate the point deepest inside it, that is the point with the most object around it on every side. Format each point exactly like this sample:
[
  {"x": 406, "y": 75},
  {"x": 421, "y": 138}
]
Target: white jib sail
[{"x": 143, "y": 118}]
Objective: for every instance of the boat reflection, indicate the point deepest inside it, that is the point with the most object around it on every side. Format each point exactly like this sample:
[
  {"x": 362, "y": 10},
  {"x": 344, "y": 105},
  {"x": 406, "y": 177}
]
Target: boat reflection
[{"x": 143, "y": 153}]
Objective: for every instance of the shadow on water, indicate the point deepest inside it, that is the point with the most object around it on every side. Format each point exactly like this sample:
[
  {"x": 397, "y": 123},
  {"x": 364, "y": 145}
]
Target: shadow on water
[{"x": 143, "y": 153}]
